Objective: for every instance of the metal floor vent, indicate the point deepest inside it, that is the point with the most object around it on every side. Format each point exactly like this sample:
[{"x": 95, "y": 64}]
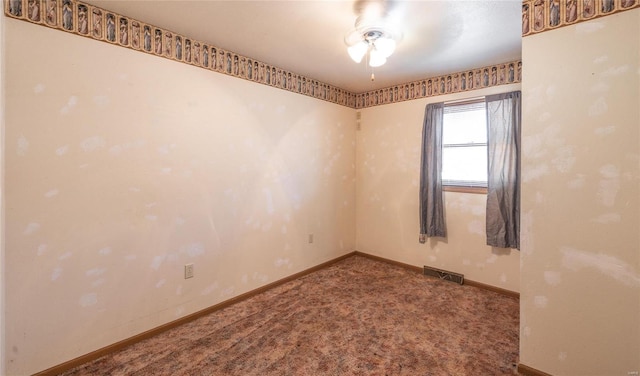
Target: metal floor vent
[{"x": 443, "y": 274}]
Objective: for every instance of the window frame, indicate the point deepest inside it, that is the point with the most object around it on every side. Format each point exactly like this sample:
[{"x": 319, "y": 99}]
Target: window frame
[{"x": 451, "y": 186}]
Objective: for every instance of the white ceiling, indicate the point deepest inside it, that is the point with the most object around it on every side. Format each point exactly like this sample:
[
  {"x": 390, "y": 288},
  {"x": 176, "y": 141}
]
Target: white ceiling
[{"x": 307, "y": 36}]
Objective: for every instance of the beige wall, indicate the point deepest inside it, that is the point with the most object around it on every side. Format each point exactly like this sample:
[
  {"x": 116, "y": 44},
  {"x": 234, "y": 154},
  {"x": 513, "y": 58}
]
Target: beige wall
[
  {"x": 580, "y": 294},
  {"x": 388, "y": 173},
  {"x": 122, "y": 167},
  {"x": 2, "y": 258}
]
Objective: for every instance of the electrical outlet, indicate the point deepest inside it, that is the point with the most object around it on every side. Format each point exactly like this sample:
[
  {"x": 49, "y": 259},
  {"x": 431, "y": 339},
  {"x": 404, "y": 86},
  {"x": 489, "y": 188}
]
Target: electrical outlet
[
  {"x": 310, "y": 238},
  {"x": 188, "y": 271}
]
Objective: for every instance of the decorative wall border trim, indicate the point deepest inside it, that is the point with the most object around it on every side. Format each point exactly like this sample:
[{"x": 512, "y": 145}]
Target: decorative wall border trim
[
  {"x": 473, "y": 79},
  {"x": 545, "y": 15},
  {"x": 86, "y": 20}
]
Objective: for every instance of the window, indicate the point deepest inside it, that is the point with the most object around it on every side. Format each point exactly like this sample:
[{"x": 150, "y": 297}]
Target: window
[{"x": 464, "y": 144}]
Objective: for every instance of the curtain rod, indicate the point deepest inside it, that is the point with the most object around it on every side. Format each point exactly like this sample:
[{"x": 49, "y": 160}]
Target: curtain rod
[{"x": 466, "y": 100}]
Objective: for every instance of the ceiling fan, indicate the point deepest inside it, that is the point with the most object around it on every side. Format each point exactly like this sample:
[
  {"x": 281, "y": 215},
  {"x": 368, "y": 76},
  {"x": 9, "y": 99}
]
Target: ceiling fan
[{"x": 374, "y": 35}]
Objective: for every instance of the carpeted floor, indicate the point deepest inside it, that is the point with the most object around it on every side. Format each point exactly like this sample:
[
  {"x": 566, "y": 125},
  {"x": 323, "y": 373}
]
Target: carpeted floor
[{"x": 356, "y": 317}]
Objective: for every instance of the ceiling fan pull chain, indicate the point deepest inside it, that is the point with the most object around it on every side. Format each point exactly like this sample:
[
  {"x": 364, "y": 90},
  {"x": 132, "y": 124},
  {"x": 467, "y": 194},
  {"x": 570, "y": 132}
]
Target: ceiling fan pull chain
[{"x": 373, "y": 76}]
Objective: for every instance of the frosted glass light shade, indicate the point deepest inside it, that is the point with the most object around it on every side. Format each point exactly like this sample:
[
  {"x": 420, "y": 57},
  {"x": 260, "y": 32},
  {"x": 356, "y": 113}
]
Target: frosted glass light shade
[
  {"x": 376, "y": 59},
  {"x": 385, "y": 46},
  {"x": 358, "y": 50}
]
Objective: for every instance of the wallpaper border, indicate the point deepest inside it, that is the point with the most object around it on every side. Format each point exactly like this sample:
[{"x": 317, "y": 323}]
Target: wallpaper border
[
  {"x": 93, "y": 22},
  {"x": 86, "y": 20},
  {"x": 543, "y": 15},
  {"x": 472, "y": 79}
]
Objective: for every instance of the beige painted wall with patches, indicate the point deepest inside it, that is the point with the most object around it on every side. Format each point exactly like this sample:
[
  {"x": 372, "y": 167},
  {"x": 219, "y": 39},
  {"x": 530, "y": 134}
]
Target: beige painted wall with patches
[
  {"x": 2, "y": 249},
  {"x": 388, "y": 173},
  {"x": 580, "y": 293},
  {"x": 122, "y": 167}
]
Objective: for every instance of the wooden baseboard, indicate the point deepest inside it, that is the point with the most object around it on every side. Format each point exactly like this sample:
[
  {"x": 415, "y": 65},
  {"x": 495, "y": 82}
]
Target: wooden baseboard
[
  {"x": 418, "y": 269},
  {"x": 499, "y": 290},
  {"x": 389, "y": 261},
  {"x": 55, "y": 370},
  {"x": 528, "y": 371}
]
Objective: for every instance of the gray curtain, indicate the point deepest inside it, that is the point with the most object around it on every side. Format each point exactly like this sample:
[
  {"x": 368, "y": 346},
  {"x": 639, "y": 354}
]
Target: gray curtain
[
  {"x": 503, "y": 185},
  {"x": 431, "y": 201}
]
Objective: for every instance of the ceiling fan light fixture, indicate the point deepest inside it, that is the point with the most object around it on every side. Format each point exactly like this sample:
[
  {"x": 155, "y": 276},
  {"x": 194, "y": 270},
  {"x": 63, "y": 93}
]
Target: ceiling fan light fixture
[
  {"x": 385, "y": 46},
  {"x": 374, "y": 38},
  {"x": 358, "y": 50},
  {"x": 376, "y": 58}
]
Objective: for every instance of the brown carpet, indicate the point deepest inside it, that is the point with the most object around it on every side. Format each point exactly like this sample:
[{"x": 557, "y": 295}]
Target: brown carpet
[{"x": 356, "y": 317}]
